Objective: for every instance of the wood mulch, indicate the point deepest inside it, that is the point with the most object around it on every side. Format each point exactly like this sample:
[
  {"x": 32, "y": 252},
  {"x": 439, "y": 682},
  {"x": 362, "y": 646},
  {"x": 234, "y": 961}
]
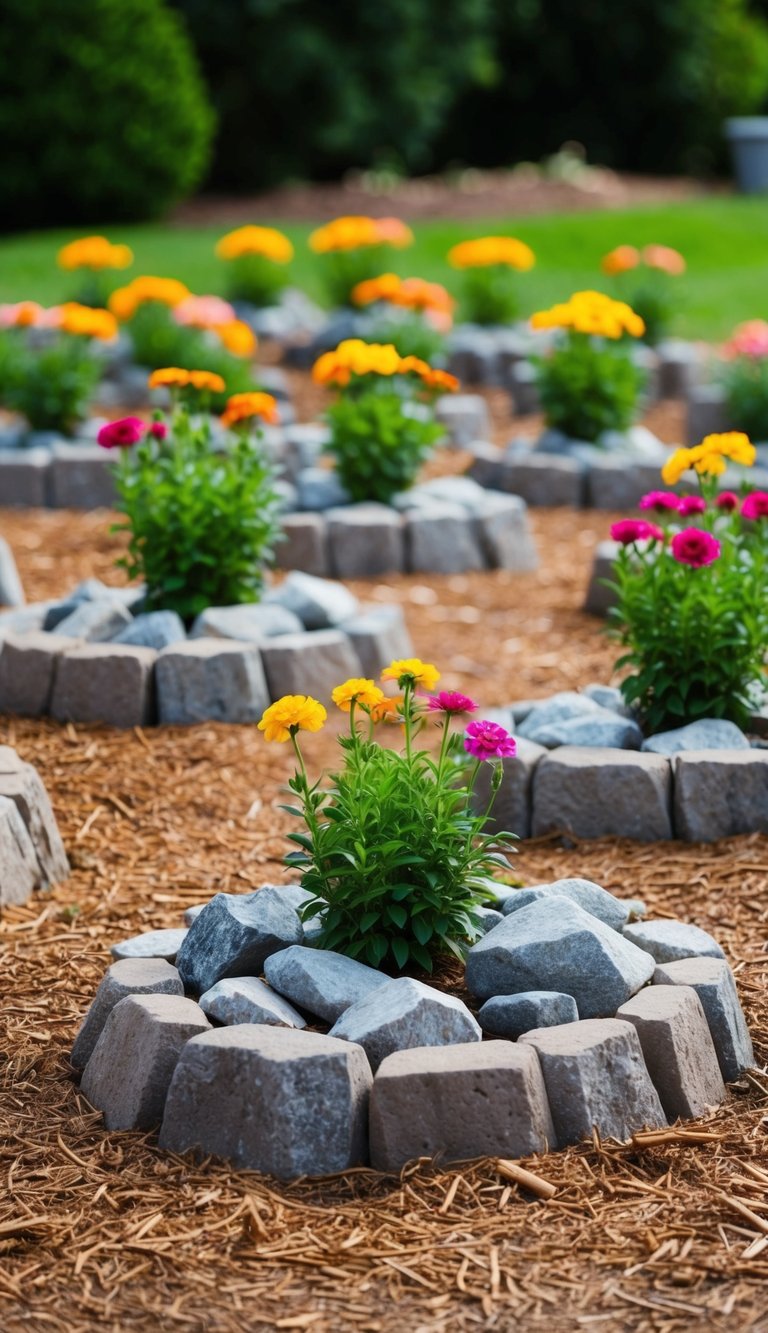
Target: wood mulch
[{"x": 102, "y": 1231}]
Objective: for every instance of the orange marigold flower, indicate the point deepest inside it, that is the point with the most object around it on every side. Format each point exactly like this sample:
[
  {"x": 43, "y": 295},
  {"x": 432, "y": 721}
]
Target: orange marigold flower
[
  {"x": 356, "y": 231},
  {"x": 487, "y": 250},
  {"x": 387, "y": 709},
  {"x": 264, "y": 241},
  {"x": 125, "y": 301},
  {"x": 21, "y": 315},
  {"x": 620, "y": 260},
  {"x": 244, "y": 406},
  {"x": 591, "y": 313},
  {"x": 383, "y": 288},
  {"x": 206, "y": 381},
  {"x": 171, "y": 377},
  {"x": 87, "y": 322},
  {"x": 94, "y": 252},
  {"x": 237, "y": 337},
  {"x": 355, "y": 357},
  {"x": 664, "y": 258},
  {"x": 441, "y": 379}
]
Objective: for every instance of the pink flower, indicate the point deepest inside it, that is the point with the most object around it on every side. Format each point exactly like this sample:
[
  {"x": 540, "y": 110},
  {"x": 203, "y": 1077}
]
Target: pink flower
[
  {"x": 665, "y": 258},
  {"x": 660, "y": 502},
  {"x": 749, "y": 339},
  {"x": 158, "y": 430},
  {"x": 121, "y": 434},
  {"x": 727, "y": 501},
  {"x": 755, "y": 505},
  {"x": 629, "y": 530},
  {"x": 487, "y": 740},
  {"x": 204, "y": 312},
  {"x": 695, "y": 547},
  {"x": 450, "y": 701},
  {"x": 692, "y": 504}
]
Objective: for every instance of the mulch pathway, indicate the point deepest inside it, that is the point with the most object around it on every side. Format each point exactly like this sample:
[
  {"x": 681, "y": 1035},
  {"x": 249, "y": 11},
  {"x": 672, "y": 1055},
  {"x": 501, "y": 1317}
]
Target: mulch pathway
[{"x": 102, "y": 1231}]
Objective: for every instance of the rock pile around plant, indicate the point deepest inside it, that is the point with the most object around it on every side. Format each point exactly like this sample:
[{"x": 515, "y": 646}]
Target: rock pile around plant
[
  {"x": 32, "y": 854},
  {"x": 239, "y": 1036}
]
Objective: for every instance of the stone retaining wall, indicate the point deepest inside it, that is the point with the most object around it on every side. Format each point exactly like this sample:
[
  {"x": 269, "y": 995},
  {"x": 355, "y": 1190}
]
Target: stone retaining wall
[{"x": 32, "y": 854}]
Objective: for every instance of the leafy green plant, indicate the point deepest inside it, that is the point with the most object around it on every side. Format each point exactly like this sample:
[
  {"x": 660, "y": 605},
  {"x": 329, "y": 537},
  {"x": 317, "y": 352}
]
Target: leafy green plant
[
  {"x": 490, "y": 295},
  {"x": 377, "y": 445},
  {"x": 393, "y": 855},
  {"x": 410, "y": 332},
  {"x": 588, "y": 386},
  {"x": 50, "y": 384},
  {"x": 159, "y": 341},
  {"x": 745, "y": 380},
  {"x": 201, "y": 520}
]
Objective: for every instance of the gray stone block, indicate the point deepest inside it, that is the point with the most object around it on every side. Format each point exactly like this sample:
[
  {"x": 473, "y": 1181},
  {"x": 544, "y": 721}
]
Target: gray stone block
[
  {"x": 378, "y": 635},
  {"x": 608, "y": 696},
  {"x": 505, "y": 533},
  {"x": 546, "y": 714},
  {"x": 488, "y": 917},
  {"x": 455, "y": 490},
  {"x": 553, "y": 944},
  {"x": 677, "y": 1048},
  {"x": 81, "y": 477},
  {"x": 679, "y": 367},
  {"x": 210, "y": 680},
  {"x": 19, "y": 866},
  {"x": 597, "y": 793},
  {"x": 104, "y": 682},
  {"x": 270, "y": 1099},
  {"x": 457, "y": 1102},
  {"x": 602, "y": 729},
  {"x": 596, "y": 1077},
  {"x": 320, "y": 489},
  {"x": 441, "y": 539},
  {"x": 25, "y": 478},
  {"x": 27, "y": 668},
  {"x": 512, "y": 808},
  {"x": 405, "y": 1013},
  {"x": 321, "y": 981},
  {"x": 304, "y": 545},
  {"x": 713, "y": 982},
  {"x": 366, "y": 540},
  {"x": 524, "y": 387},
  {"x": 11, "y": 591},
  {"x": 708, "y": 733},
  {"x": 22, "y": 784},
  {"x": 319, "y": 603},
  {"x": 151, "y": 944},
  {"x": 707, "y": 412},
  {"x": 543, "y": 480},
  {"x": 153, "y": 629},
  {"x": 23, "y": 619},
  {"x": 666, "y": 940},
  {"x": 584, "y": 892},
  {"x": 309, "y": 663},
  {"x": 511, "y": 1015},
  {"x": 129, "y": 976},
  {"x": 465, "y": 417},
  {"x": 94, "y": 622},
  {"x": 234, "y": 935},
  {"x": 248, "y": 1000},
  {"x": 485, "y": 467},
  {"x": 130, "y": 1070},
  {"x": 253, "y": 623},
  {"x": 718, "y": 793}
]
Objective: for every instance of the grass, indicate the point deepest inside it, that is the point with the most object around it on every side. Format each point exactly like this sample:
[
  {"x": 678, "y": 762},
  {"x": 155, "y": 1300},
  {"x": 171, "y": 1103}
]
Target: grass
[{"x": 723, "y": 240}]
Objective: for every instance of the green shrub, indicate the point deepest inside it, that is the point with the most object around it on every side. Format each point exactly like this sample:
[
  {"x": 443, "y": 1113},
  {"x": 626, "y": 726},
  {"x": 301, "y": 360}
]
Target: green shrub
[
  {"x": 102, "y": 111},
  {"x": 587, "y": 386},
  {"x": 745, "y": 381},
  {"x": 51, "y": 384},
  {"x": 377, "y": 446},
  {"x": 159, "y": 341}
]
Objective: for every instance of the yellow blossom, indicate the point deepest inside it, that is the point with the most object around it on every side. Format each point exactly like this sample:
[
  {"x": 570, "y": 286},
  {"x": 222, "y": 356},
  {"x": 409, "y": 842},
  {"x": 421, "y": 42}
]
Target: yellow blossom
[
  {"x": 125, "y": 301},
  {"x": 87, "y": 321},
  {"x": 488, "y": 250},
  {"x": 264, "y": 241},
  {"x": 733, "y": 444},
  {"x": 94, "y": 252},
  {"x": 412, "y": 671},
  {"x": 591, "y": 313},
  {"x": 176, "y": 377},
  {"x": 357, "y": 691},
  {"x": 675, "y": 466},
  {"x": 292, "y": 713},
  {"x": 243, "y": 406},
  {"x": 356, "y": 357}
]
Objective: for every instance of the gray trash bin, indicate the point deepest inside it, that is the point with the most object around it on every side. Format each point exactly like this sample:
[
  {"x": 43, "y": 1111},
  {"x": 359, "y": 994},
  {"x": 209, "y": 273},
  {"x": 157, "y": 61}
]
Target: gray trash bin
[{"x": 748, "y": 137}]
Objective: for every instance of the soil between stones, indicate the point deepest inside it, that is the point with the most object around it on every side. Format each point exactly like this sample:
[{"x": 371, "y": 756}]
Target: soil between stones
[{"x": 103, "y": 1231}]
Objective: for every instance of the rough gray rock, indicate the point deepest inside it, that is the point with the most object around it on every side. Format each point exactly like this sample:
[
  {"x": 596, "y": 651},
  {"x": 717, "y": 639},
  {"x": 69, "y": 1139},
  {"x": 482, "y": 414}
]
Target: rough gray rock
[
  {"x": 129, "y": 976},
  {"x": 94, "y": 622},
  {"x": 210, "y": 680},
  {"x": 677, "y": 1049},
  {"x": 309, "y": 663},
  {"x": 542, "y": 480},
  {"x": 718, "y": 793},
  {"x": 667, "y": 940},
  {"x": 595, "y": 793},
  {"x": 512, "y": 1015},
  {"x": 505, "y": 533},
  {"x": 595, "y": 1076},
  {"x": 104, "y": 682},
  {"x": 708, "y": 733},
  {"x": 153, "y": 629},
  {"x": 303, "y": 545},
  {"x": 23, "y": 619},
  {"x": 321, "y": 981},
  {"x": 25, "y": 478},
  {"x": 128, "y": 1075},
  {"x": 151, "y": 944},
  {"x": 714, "y": 983},
  {"x": 489, "y": 917},
  {"x": 599, "y": 598},
  {"x": 604, "y": 729},
  {"x": 440, "y": 538},
  {"x": 378, "y": 636},
  {"x": 457, "y": 1102},
  {"x": 252, "y": 623},
  {"x": 553, "y": 944},
  {"x": 270, "y": 1099},
  {"x": 608, "y": 696},
  {"x": 594, "y": 899},
  {"x": 465, "y": 417},
  {"x": 234, "y": 935},
  {"x": 19, "y": 866},
  {"x": 561, "y": 707},
  {"x": 248, "y": 1000},
  {"x": 11, "y": 591},
  {"x": 22, "y": 784},
  {"x": 405, "y": 1013},
  {"x": 319, "y": 603},
  {"x": 81, "y": 477},
  {"x": 512, "y": 807},
  {"x": 320, "y": 489},
  {"x": 366, "y": 540},
  {"x": 461, "y": 491}
]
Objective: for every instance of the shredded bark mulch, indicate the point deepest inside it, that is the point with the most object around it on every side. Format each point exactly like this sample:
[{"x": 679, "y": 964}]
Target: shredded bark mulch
[{"x": 103, "y": 1231}]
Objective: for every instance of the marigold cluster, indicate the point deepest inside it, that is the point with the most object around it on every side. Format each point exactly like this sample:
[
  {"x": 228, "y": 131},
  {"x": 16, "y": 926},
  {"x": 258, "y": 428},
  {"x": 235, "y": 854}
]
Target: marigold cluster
[
  {"x": 591, "y": 313},
  {"x": 264, "y": 241},
  {"x": 87, "y": 322},
  {"x": 94, "y": 252},
  {"x": 125, "y": 301},
  {"x": 358, "y": 232},
  {"x": 627, "y": 257},
  {"x": 410, "y": 293},
  {"x": 710, "y": 457},
  {"x": 176, "y": 377},
  {"x": 244, "y": 406},
  {"x": 356, "y": 357},
  {"x": 412, "y": 671},
  {"x": 749, "y": 339},
  {"x": 357, "y": 691},
  {"x": 488, "y": 250},
  {"x": 292, "y": 713}
]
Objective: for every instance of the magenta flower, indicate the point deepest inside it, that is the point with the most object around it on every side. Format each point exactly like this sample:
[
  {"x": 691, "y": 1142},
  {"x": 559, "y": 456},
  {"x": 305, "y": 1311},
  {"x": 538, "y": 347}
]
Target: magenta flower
[
  {"x": 121, "y": 434},
  {"x": 727, "y": 501},
  {"x": 661, "y": 502},
  {"x": 692, "y": 504},
  {"x": 629, "y": 530},
  {"x": 487, "y": 740},
  {"x": 755, "y": 505},
  {"x": 158, "y": 430},
  {"x": 450, "y": 701},
  {"x": 695, "y": 547}
]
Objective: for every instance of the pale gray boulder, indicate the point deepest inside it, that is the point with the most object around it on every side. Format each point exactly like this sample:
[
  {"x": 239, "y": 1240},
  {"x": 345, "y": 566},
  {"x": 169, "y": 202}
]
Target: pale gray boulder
[{"x": 234, "y": 935}]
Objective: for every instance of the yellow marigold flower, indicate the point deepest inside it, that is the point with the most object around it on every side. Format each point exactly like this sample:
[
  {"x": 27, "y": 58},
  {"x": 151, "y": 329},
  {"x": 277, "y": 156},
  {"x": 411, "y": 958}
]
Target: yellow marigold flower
[
  {"x": 243, "y": 406},
  {"x": 591, "y": 313},
  {"x": 355, "y": 357},
  {"x": 733, "y": 444},
  {"x": 206, "y": 381},
  {"x": 412, "y": 671},
  {"x": 237, "y": 337},
  {"x": 357, "y": 691},
  {"x": 676, "y": 465},
  {"x": 488, "y": 250},
  {"x": 709, "y": 465},
  {"x": 292, "y": 713},
  {"x": 265, "y": 241},
  {"x": 418, "y": 294},
  {"x": 171, "y": 377},
  {"x": 87, "y": 322},
  {"x": 125, "y": 301},
  {"x": 620, "y": 260},
  {"x": 94, "y": 252},
  {"x": 387, "y": 709},
  {"x": 356, "y": 232}
]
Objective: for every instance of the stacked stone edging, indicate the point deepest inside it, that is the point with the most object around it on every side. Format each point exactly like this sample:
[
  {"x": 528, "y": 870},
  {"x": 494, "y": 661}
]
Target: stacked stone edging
[{"x": 32, "y": 854}]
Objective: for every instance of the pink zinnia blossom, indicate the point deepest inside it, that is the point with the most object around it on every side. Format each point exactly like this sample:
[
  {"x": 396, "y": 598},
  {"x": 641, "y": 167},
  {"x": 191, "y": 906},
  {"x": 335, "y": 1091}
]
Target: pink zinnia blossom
[
  {"x": 629, "y": 530},
  {"x": 450, "y": 701},
  {"x": 692, "y": 504},
  {"x": 727, "y": 501},
  {"x": 121, "y": 434},
  {"x": 660, "y": 502},
  {"x": 748, "y": 339},
  {"x": 755, "y": 505},
  {"x": 158, "y": 430},
  {"x": 487, "y": 740},
  {"x": 695, "y": 547},
  {"x": 204, "y": 312}
]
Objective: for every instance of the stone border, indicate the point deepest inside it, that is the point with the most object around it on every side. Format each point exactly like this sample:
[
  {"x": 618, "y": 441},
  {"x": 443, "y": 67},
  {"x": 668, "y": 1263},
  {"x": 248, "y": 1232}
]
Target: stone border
[
  {"x": 404, "y": 1072},
  {"x": 32, "y": 854}
]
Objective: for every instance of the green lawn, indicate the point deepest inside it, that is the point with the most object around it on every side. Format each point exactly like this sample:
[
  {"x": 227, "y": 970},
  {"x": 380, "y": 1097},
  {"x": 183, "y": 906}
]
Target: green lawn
[{"x": 725, "y": 242}]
